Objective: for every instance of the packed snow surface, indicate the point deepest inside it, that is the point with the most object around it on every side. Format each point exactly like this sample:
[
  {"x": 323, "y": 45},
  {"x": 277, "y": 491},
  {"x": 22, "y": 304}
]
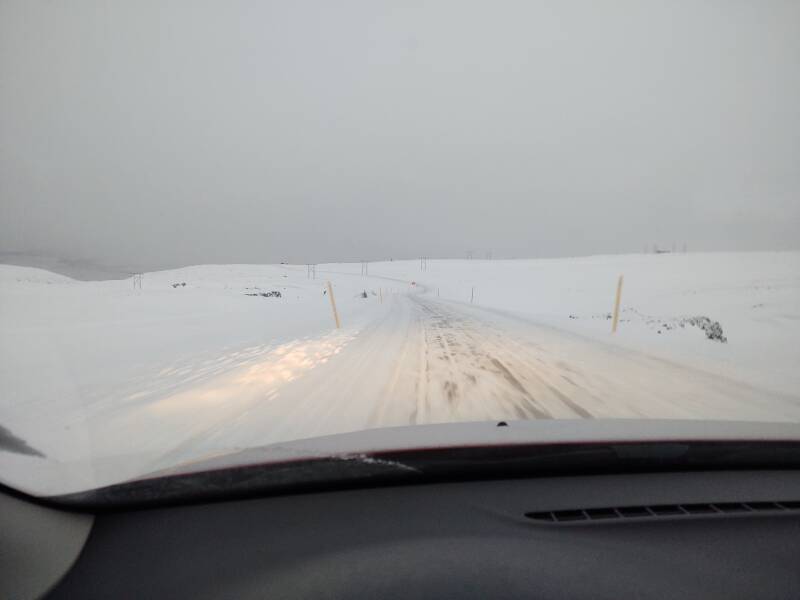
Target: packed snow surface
[{"x": 102, "y": 381}]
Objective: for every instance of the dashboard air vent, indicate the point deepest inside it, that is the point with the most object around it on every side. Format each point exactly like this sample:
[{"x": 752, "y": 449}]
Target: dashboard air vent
[{"x": 661, "y": 510}]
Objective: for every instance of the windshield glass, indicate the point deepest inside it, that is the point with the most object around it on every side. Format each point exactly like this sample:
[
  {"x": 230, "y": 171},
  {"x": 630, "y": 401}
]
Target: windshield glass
[{"x": 225, "y": 226}]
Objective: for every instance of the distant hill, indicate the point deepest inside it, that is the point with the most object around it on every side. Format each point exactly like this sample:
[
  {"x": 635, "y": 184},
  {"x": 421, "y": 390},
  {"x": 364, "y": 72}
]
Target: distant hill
[{"x": 83, "y": 270}]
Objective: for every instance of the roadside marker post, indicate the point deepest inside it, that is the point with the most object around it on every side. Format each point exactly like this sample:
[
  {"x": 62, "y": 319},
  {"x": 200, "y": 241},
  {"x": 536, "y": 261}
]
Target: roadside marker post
[
  {"x": 615, "y": 320},
  {"x": 333, "y": 306}
]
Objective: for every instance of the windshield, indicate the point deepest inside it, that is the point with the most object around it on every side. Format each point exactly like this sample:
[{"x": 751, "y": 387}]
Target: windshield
[{"x": 231, "y": 226}]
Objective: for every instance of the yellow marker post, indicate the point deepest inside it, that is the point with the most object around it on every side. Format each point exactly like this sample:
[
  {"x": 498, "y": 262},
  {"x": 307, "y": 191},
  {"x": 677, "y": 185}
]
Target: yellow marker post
[
  {"x": 616, "y": 306},
  {"x": 333, "y": 306}
]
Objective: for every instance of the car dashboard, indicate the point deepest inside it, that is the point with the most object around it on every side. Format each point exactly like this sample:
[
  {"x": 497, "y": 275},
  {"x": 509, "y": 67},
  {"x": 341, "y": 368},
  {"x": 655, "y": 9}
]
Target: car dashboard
[{"x": 715, "y": 534}]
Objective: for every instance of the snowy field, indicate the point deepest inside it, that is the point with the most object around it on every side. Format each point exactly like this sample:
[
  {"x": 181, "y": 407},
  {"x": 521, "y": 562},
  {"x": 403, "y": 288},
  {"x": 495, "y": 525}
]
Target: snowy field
[{"x": 100, "y": 382}]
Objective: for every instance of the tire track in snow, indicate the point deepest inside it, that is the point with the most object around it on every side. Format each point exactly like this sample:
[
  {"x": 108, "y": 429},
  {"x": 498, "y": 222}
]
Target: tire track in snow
[{"x": 468, "y": 373}]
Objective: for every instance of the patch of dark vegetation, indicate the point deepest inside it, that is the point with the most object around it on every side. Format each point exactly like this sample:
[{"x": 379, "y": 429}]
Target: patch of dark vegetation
[
  {"x": 712, "y": 329},
  {"x": 272, "y": 294},
  {"x": 177, "y": 285}
]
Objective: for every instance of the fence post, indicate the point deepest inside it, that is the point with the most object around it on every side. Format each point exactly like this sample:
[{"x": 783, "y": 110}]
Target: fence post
[
  {"x": 616, "y": 306},
  {"x": 333, "y": 306}
]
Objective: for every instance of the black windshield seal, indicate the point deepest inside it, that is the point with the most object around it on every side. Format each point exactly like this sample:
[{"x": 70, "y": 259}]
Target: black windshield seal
[{"x": 434, "y": 465}]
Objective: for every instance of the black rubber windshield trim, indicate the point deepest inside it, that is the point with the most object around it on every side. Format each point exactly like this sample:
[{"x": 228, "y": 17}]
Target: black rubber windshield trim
[{"x": 434, "y": 465}]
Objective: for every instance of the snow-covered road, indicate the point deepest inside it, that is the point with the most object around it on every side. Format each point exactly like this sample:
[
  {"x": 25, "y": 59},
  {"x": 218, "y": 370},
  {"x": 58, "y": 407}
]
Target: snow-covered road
[{"x": 426, "y": 360}]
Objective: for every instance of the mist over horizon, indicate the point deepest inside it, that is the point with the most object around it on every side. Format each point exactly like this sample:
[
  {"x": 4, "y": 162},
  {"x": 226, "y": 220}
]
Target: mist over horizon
[{"x": 163, "y": 134}]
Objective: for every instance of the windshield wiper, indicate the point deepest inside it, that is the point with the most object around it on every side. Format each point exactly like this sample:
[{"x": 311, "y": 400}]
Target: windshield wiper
[{"x": 11, "y": 443}]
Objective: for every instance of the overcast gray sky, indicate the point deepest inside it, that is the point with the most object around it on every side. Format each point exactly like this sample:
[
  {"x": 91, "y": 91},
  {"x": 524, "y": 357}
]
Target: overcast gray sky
[{"x": 159, "y": 133}]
